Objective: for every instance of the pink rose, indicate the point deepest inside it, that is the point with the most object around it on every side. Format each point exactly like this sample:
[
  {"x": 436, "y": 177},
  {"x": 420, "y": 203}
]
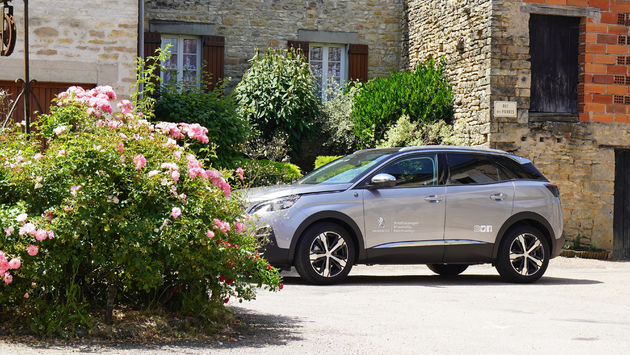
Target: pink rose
[
  {"x": 21, "y": 217},
  {"x": 140, "y": 161},
  {"x": 51, "y": 234},
  {"x": 74, "y": 189},
  {"x": 40, "y": 235},
  {"x": 28, "y": 228},
  {"x": 176, "y": 212},
  {"x": 32, "y": 250},
  {"x": 9, "y": 231},
  {"x": 210, "y": 234},
  {"x": 152, "y": 173},
  {"x": 241, "y": 173},
  {"x": 8, "y": 278},
  {"x": 62, "y": 152},
  {"x": 15, "y": 263},
  {"x": 239, "y": 227},
  {"x": 37, "y": 157},
  {"x": 120, "y": 147},
  {"x": 175, "y": 175},
  {"x": 26, "y": 295}
]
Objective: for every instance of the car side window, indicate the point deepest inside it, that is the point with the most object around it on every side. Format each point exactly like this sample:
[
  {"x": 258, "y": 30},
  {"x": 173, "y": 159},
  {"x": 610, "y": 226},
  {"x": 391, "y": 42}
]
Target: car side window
[
  {"x": 467, "y": 169},
  {"x": 414, "y": 171}
]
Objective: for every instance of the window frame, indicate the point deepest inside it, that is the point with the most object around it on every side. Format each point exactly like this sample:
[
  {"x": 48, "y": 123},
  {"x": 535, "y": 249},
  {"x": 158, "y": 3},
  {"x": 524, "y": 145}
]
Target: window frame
[
  {"x": 438, "y": 164},
  {"x": 180, "y": 58},
  {"x": 343, "y": 74}
]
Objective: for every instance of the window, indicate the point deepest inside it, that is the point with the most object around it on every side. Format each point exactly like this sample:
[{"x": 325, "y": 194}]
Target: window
[
  {"x": 328, "y": 62},
  {"x": 183, "y": 66},
  {"x": 413, "y": 171},
  {"x": 466, "y": 169},
  {"x": 517, "y": 171},
  {"x": 553, "y": 44}
]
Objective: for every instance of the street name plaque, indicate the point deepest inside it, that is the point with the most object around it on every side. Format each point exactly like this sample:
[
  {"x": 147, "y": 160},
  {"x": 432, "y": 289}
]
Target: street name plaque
[{"x": 505, "y": 109}]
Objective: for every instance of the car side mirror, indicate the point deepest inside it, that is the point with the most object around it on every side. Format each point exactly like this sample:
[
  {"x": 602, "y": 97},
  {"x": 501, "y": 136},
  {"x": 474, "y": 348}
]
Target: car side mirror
[{"x": 382, "y": 180}]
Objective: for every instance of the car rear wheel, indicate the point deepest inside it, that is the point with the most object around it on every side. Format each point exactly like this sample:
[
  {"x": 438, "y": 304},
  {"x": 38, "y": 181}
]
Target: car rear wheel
[
  {"x": 447, "y": 269},
  {"x": 523, "y": 255},
  {"x": 325, "y": 254}
]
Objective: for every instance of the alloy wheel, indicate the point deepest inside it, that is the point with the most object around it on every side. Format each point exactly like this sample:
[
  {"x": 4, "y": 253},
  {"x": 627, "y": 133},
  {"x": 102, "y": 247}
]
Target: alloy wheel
[
  {"x": 328, "y": 254},
  {"x": 527, "y": 254}
]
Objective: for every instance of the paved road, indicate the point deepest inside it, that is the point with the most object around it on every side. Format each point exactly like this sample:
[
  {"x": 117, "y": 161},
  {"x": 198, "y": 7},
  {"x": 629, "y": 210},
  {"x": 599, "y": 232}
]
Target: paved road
[{"x": 580, "y": 306}]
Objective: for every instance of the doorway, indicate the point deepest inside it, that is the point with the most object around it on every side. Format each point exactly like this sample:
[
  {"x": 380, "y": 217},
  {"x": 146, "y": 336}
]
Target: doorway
[{"x": 621, "y": 224}]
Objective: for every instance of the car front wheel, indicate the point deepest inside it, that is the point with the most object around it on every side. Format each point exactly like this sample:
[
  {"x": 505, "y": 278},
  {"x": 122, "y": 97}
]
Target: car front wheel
[
  {"x": 523, "y": 255},
  {"x": 325, "y": 254}
]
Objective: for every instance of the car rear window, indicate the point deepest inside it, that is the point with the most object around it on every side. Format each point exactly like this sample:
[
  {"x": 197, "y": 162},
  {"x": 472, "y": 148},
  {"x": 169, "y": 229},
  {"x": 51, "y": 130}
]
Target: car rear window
[
  {"x": 525, "y": 171},
  {"x": 467, "y": 169}
]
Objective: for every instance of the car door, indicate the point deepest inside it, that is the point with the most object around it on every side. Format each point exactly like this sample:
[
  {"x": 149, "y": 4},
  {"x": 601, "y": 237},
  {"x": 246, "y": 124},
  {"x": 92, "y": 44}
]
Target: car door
[
  {"x": 406, "y": 222},
  {"x": 479, "y": 199}
]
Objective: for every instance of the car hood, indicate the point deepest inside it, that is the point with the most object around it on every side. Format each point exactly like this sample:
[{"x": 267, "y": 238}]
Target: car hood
[{"x": 266, "y": 193}]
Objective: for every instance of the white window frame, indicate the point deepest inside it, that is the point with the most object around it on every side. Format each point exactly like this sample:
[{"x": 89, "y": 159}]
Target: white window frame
[
  {"x": 180, "y": 57},
  {"x": 343, "y": 79}
]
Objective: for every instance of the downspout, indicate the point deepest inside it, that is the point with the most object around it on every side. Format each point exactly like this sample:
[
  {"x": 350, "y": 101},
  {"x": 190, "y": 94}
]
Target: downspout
[{"x": 141, "y": 29}]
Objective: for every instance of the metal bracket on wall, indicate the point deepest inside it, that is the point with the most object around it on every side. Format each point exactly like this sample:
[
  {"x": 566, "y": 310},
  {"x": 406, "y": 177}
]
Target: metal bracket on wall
[{"x": 8, "y": 31}]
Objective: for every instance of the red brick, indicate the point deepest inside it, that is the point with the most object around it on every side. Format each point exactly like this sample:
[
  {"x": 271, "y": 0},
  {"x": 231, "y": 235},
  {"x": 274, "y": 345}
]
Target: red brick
[
  {"x": 603, "y": 117},
  {"x": 590, "y": 37},
  {"x": 594, "y": 107},
  {"x": 608, "y": 39},
  {"x": 594, "y": 88},
  {"x": 620, "y": 6},
  {"x": 602, "y": 99},
  {"x": 616, "y": 108},
  {"x": 585, "y": 117},
  {"x": 609, "y": 17},
  {"x": 586, "y": 98},
  {"x": 603, "y": 79},
  {"x": 595, "y": 68},
  {"x": 581, "y": 3},
  {"x": 617, "y": 69},
  {"x": 595, "y": 48},
  {"x": 618, "y": 29},
  {"x": 617, "y": 49},
  {"x": 596, "y": 28},
  {"x": 602, "y": 4},
  {"x": 556, "y": 2},
  {"x": 605, "y": 59},
  {"x": 617, "y": 89},
  {"x": 586, "y": 78},
  {"x": 622, "y": 118}
]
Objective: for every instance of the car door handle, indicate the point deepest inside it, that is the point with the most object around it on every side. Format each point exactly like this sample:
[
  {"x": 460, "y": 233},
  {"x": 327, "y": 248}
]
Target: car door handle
[
  {"x": 498, "y": 197},
  {"x": 433, "y": 198}
]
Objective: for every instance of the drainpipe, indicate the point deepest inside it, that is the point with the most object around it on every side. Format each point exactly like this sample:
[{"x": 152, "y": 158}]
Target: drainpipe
[{"x": 141, "y": 29}]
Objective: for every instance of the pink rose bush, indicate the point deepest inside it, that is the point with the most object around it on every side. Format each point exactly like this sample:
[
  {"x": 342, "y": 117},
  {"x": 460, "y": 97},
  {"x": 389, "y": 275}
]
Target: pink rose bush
[{"x": 113, "y": 199}]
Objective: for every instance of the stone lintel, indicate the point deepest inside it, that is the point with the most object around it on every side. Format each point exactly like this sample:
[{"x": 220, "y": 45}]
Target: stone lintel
[
  {"x": 182, "y": 28},
  {"x": 328, "y": 37},
  {"x": 561, "y": 10}
]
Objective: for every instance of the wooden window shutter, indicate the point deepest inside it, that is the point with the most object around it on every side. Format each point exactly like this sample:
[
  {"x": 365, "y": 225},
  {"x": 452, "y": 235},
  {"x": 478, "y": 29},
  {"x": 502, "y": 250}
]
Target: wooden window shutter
[
  {"x": 358, "y": 62},
  {"x": 214, "y": 59},
  {"x": 302, "y": 46},
  {"x": 153, "y": 41}
]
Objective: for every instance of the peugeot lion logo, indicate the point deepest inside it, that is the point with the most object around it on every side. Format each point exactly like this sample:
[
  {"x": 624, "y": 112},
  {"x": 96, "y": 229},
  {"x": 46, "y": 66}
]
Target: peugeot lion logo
[{"x": 381, "y": 222}]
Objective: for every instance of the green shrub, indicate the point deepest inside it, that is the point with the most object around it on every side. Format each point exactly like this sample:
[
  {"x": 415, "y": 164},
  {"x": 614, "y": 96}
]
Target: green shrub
[
  {"x": 266, "y": 172},
  {"x": 325, "y": 159},
  {"x": 214, "y": 110},
  {"x": 113, "y": 210},
  {"x": 406, "y": 134},
  {"x": 278, "y": 95},
  {"x": 422, "y": 94},
  {"x": 336, "y": 123}
]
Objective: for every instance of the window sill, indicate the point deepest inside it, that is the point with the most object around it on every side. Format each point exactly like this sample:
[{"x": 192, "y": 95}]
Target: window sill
[{"x": 553, "y": 116}]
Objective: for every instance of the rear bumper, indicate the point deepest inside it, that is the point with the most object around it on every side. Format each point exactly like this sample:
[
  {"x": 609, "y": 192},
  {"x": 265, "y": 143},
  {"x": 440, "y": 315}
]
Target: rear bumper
[{"x": 556, "y": 248}]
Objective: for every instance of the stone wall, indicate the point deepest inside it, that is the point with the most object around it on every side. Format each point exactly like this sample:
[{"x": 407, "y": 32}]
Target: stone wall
[
  {"x": 250, "y": 24},
  {"x": 87, "y": 41},
  {"x": 459, "y": 32},
  {"x": 578, "y": 156}
]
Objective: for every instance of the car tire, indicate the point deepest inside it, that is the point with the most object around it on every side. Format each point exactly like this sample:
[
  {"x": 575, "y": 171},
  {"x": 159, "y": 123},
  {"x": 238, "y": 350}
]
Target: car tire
[
  {"x": 447, "y": 269},
  {"x": 523, "y": 255},
  {"x": 315, "y": 259}
]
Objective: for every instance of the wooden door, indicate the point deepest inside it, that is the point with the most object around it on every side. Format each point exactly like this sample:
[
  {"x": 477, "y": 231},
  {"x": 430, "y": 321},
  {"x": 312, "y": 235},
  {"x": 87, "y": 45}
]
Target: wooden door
[{"x": 621, "y": 229}]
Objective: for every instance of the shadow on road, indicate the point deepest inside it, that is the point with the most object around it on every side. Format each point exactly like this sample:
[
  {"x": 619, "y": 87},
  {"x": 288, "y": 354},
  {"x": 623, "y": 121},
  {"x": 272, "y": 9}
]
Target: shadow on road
[
  {"x": 254, "y": 331},
  {"x": 440, "y": 281}
]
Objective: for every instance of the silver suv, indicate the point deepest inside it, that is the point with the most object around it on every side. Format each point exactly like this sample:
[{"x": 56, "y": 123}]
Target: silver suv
[{"x": 447, "y": 207}]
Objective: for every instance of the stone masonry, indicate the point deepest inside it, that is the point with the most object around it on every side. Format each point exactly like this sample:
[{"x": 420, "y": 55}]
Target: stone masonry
[
  {"x": 71, "y": 41},
  {"x": 578, "y": 155},
  {"x": 250, "y": 24}
]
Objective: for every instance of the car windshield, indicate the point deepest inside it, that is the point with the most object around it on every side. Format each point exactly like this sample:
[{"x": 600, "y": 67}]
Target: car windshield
[{"x": 346, "y": 169}]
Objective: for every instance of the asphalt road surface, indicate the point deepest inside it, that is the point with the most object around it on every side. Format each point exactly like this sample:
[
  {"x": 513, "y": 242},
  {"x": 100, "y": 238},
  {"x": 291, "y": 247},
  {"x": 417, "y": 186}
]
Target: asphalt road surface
[{"x": 579, "y": 306}]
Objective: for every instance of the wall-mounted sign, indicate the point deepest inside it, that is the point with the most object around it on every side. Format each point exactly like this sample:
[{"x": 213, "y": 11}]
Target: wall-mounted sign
[{"x": 505, "y": 109}]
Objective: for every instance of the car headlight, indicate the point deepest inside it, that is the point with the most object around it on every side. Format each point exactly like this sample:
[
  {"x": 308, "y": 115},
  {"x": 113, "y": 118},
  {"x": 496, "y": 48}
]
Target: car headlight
[{"x": 275, "y": 205}]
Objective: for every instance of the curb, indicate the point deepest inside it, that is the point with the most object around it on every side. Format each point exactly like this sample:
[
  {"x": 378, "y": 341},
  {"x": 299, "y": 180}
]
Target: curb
[{"x": 586, "y": 254}]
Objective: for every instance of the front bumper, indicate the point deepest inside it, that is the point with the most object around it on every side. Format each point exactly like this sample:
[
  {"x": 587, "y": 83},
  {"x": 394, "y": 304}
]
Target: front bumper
[{"x": 276, "y": 256}]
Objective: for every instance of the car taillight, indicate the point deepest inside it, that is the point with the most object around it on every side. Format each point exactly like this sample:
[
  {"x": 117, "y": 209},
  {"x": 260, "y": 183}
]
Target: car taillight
[{"x": 554, "y": 189}]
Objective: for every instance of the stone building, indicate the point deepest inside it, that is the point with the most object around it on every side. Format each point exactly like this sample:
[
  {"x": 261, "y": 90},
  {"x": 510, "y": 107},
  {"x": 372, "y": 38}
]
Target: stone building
[
  {"x": 343, "y": 39},
  {"x": 549, "y": 80},
  {"x": 87, "y": 42}
]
